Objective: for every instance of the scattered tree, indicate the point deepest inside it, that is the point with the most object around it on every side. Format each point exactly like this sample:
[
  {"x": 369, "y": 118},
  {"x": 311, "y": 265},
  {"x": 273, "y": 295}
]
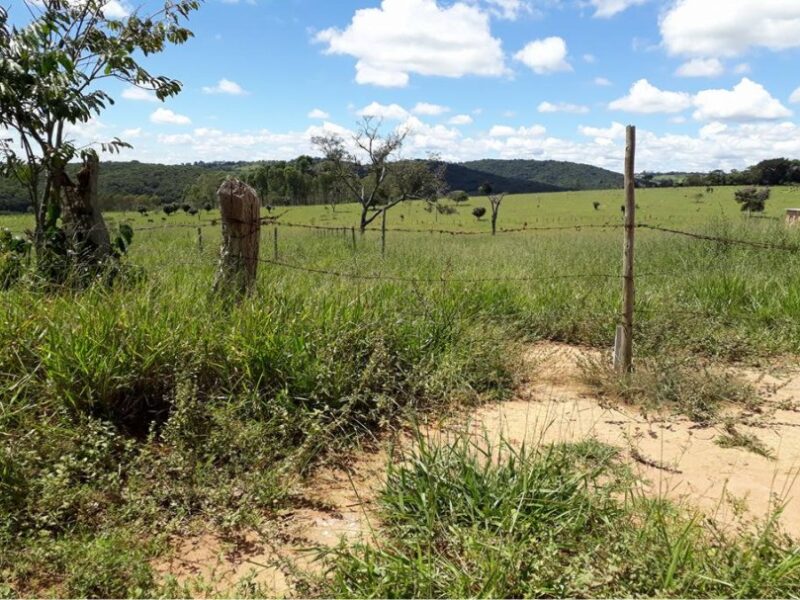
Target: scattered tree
[
  {"x": 459, "y": 196},
  {"x": 371, "y": 177},
  {"x": 479, "y": 212},
  {"x": 495, "y": 200},
  {"x": 596, "y": 205},
  {"x": 752, "y": 199},
  {"x": 485, "y": 189},
  {"x": 52, "y": 71}
]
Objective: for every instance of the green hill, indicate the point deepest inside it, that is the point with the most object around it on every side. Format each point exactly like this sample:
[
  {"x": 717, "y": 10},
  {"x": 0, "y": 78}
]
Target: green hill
[
  {"x": 560, "y": 174},
  {"x": 461, "y": 177}
]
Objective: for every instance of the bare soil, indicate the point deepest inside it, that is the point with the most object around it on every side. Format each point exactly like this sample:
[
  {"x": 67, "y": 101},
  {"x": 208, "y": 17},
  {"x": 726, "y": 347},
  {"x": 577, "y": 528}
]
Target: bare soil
[{"x": 675, "y": 458}]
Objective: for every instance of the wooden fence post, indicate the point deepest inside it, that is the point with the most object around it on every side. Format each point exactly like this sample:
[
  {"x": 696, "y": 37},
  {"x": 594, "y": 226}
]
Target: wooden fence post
[
  {"x": 353, "y": 232},
  {"x": 623, "y": 352},
  {"x": 241, "y": 237},
  {"x": 383, "y": 234},
  {"x": 200, "y": 239},
  {"x": 275, "y": 243}
]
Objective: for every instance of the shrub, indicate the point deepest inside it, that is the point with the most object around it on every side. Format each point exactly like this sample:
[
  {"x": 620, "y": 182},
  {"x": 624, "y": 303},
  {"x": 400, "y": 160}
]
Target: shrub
[
  {"x": 752, "y": 199},
  {"x": 458, "y": 196},
  {"x": 479, "y": 212}
]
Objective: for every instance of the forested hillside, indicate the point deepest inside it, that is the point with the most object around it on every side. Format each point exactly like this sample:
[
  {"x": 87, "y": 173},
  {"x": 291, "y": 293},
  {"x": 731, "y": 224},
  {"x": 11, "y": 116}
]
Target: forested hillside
[{"x": 564, "y": 175}]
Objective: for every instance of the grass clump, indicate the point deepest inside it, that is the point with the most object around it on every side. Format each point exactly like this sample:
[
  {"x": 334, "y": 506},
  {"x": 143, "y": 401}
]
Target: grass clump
[
  {"x": 733, "y": 438},
  {"x": 461, "y": 520},
  {"x": 677, "y": 384}
]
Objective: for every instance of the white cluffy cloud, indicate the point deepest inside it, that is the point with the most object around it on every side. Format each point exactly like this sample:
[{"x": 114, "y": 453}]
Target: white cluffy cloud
[
  {"x": 795, "y": 97},
  {"x": 565, "y": 107},
  {"x": 510, "y": 10},
  {"x": 730, "y": 27},
  {"x": 460, "y": 120},
  {"x": 138, "y": 94},
  {"x": 545, "y": 56},
  {"x": 747, "y": 101},
  {"x": 225, "y": 86},
  {"x": 715, "y": 145},
  {"x": 701, "y": 67},
  {"x": 609, "y": 8},
  {"x": 645, "y": 98},
  {"x": 420, "y": 37},
  {"x": 393, "y": 112},
  {"x": 601, "y": 81},
  {"x": 318, "y": 114},
  {"x": 429, "y": 110},
  {"x": 164, "y": 116}
]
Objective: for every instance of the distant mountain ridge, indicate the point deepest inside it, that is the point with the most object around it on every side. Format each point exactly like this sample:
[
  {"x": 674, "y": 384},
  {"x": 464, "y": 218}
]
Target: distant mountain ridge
[{"x": 559, "y": 174}]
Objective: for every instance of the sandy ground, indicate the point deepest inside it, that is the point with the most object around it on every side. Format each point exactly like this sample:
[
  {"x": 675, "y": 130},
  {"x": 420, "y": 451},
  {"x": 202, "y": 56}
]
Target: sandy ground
[{"x": 674, "y": 456}]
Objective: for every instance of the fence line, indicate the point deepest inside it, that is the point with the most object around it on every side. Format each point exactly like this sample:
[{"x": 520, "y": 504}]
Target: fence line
[
  {"x": 721, "y": 240},
  {"x": 578, "y": 227}
]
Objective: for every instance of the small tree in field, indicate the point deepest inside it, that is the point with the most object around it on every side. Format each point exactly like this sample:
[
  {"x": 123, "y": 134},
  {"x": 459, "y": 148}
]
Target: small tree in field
[
  {"x": 370, "y": 176},
  {"x": 52, "y": 73},
  {"x": 459, "y": 196},
  {"x": 752, "y": 199},
  {"x": 479, "y": 212},
  {"x": 495, "y": 200}
]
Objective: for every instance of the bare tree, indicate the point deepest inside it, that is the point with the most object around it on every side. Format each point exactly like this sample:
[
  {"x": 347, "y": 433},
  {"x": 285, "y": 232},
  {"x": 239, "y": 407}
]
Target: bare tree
[
  {"x": 495, "y": 200},
  {"x": 371, "y": 177}
]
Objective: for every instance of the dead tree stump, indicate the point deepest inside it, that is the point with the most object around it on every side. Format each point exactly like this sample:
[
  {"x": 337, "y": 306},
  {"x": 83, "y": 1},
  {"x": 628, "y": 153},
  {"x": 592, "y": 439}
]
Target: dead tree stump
[
  {"x": 241, "y": 237},
  {"x": 84, "y": 225}
]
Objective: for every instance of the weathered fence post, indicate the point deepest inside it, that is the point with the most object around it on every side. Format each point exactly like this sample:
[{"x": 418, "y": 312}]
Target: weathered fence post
[
  {"x": 623, "y": 351},
  {"x": 200, "y": 239},
  {"x": 241, "y": 237},
  {"x": 353, "y": 232},
  {"x": 275, "y": 243},
  {"x": 383, "y": 234}
]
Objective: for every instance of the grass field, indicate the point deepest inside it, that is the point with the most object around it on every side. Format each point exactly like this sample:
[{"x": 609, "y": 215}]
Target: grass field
[{"x": 132, "y": 413}]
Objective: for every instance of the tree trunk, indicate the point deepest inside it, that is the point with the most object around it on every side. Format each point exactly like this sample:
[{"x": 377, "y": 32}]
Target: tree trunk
[
  {"x": 494, "y": 222},
  {"x": 84, "y": 225}
]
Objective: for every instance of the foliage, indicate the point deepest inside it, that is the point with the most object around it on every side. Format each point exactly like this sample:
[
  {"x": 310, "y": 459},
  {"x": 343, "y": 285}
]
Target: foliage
[
  {"x": 371, "y": 176},
  {"x": 51, "y": 72},
  {"x": 672, "y": 383},
  {"x": 458, "y": 196},
  {"x": 752, "y": 199},
  {"x": 479, "y": 212},
  {"x": 13, "y": 252},
  {"x": 563, "y": 175}
]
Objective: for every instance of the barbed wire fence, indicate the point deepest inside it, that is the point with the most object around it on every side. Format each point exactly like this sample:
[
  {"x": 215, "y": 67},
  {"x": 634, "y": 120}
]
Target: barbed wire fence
[{"x": 237, "y": 230}]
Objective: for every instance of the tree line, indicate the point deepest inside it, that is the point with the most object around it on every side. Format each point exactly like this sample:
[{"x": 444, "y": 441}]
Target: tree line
[{"x": 771, "y": 172}]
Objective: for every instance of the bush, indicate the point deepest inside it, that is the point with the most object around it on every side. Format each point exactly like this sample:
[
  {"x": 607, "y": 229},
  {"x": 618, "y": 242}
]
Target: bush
[
  {"x": 458, "y": 196},
  {"x": 752, "y": 199},
  {"x": 479, "y": 212}
]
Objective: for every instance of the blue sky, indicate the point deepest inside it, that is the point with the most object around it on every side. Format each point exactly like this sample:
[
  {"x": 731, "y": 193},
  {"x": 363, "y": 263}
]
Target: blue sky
[{"x": 709, "y": 83}]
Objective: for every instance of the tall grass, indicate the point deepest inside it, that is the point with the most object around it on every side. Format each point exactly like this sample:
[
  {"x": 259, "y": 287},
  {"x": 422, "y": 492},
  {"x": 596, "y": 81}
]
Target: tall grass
[{"x": 465, "y": 519}]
